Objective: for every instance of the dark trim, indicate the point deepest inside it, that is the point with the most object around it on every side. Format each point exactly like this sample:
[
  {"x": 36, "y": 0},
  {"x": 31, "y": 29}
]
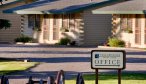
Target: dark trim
[
  {"x": 14, "y": 2},
  {"x": 26, "y": 6},
  {"x": 65, "y": 10},
  {"x": 89, "y": 6},
  {"x": 124, "y": 58}
]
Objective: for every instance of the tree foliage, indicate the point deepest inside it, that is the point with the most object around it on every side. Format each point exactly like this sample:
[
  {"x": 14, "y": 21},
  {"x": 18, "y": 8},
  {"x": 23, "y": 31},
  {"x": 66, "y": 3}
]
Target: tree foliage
[
  {"x": 1, "y": 2},
  {"x": 4, "y": 24}
]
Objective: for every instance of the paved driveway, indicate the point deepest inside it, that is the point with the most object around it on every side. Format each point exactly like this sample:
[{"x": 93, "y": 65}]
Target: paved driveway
[{"x": 71, "y": 60}]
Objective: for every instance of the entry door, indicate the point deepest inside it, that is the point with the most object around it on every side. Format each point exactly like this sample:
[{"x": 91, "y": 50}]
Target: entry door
[{"x": 56, "y": 27}]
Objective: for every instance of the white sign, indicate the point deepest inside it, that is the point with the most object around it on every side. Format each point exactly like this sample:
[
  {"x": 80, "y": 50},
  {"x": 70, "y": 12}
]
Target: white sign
[{"x": 108, "y": 59}]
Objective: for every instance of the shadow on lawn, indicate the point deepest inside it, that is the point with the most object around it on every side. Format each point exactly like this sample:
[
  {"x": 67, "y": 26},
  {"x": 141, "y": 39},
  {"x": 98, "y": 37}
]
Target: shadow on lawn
[
  {"x": 87, "y": 75},
  {"x": 112, "y": 76}
]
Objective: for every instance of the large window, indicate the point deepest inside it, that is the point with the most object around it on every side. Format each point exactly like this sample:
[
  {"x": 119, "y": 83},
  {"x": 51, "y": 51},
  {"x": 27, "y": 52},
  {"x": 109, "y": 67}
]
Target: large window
[
  {"x": 138, "y": 29},
  {"x": 72, "y": 21},
  {"x": 37, "y": 21},
  {"x": 65, "y": 21},
  {"x": 56, "y": 27},
  {"x": 126, "y": 22},
  {"x": 34, "y": 21},
  {"x": 45, "y": 19},
  {"x": 68, "y": 21},
  {"x": 31, "y": 21},
  {"x": 145, "y": 31}
]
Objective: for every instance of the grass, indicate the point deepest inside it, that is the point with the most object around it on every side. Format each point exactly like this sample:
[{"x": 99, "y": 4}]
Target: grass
[
  {"x": 7, "y": 67},
  {"x": 127, "y": 78}
]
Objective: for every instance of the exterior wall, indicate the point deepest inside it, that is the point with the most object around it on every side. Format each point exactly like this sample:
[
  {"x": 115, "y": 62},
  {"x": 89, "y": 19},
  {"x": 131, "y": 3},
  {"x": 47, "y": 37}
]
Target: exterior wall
[
  {"x": 97, "y": 28},
  {"x": 46, "y": 33},
  {"x": 129, "y": 38},
  {"x": 142, "y": 44},
  {"x": 75, "y": 34},
  {"x": 13, "y": 32},
  {"x": 36, "y": 35}
]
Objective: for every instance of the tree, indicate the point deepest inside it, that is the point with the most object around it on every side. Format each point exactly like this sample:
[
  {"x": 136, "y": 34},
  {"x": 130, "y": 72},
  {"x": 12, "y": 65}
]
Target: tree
[
  {"x": 4, "y": 24},
  {"x": 1, "y": 2}
]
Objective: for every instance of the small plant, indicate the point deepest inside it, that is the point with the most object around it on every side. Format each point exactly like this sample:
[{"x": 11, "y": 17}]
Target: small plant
[
  {"x": 128, "y": 30},
  {"x": 64, "y": 29},
  {"x": 115, "y": 42},
  {"x": 72, "y": 43},
  {"x": 37, "y": 29},
  {"x": 24, "y": 39},
  {"x": 64, "y": 41}
]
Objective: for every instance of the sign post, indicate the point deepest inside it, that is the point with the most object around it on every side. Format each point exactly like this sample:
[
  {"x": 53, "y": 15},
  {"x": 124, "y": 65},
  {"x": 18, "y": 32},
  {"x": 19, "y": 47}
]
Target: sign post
[
  {"x": 119, "y": 76},
  {"x": 96, "y": 76},
  {"x": 108, "y": 59}
]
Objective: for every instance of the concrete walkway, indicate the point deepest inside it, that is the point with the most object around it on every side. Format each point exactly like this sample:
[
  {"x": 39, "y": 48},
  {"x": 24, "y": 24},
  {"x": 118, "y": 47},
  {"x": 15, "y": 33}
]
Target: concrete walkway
[{"x": 70, "y": 59}]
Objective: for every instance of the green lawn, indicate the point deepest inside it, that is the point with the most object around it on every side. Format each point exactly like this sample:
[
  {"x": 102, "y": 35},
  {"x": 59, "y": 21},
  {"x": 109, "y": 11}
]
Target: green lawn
[
  {"x": 127, "y": 78},
  {"x": 12, "y": 66}
]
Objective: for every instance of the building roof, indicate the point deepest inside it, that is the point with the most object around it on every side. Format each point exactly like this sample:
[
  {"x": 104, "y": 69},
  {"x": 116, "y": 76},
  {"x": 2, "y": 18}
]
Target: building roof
[
  {"x": 58, "y": 6},
  {"x": 9, "y": 2},
  {"x": 72, "y": 6},
  {"x": 127, "y": 7}
]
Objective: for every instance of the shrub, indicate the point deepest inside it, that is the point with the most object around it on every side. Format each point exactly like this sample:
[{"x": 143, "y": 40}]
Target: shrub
[
  {"x": 23, "y": 39},
  {"x": 72, "y": 43},
  {"x": 4, "y": 24},
  {"x": 128, "y": 30},
  {"x": 115, "y": 42},
  {"x": 64, "y": 41}
]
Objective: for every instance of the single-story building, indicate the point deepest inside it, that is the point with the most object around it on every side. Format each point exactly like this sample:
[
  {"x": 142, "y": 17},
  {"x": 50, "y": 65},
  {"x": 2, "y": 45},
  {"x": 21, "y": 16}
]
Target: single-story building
[
  {"x": 8, "y": 35},
  {"x": 88, "y": 22}
]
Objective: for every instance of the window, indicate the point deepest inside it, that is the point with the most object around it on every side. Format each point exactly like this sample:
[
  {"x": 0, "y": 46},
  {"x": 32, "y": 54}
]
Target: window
[
  {"x": 129, "y": 21},
  {"x": 126, "y": 21},
  {"x": 72, "y": 21},
  {"x": 145, "y": 31},
  {"x": 31, "y": 21},
  {"x": 138, "y": 29},
  {"x": 65, "y": 21},
  {"x": 37, "y": 21},
  {"x": 56, "y": 17},
  {"x": 56, "y": 27},
  {"x": 34, "y": 21},
  {"x": 45, "y": 17}
]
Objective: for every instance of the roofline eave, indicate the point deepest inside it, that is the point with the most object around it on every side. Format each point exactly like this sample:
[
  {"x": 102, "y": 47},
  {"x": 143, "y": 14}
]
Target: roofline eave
[{"x": 119, "y": 12}]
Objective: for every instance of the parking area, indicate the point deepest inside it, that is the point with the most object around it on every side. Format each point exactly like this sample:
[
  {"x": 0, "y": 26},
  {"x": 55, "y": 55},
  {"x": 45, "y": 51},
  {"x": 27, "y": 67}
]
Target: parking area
[{"x": 70, "y": 59}]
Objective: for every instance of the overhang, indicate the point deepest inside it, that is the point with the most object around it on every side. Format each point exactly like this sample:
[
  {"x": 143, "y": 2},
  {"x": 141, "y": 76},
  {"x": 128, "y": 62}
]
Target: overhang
[
  {"x": 60, "y": 6},
  {"x": 72, "y": 6},
  {"x": 127, "y": 7}
]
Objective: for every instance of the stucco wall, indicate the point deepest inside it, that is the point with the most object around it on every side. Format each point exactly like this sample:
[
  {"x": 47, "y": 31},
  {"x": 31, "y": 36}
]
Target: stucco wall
[
  {"x": 13, "y": 32},
  {"x": 97, "y": 28},
  {"x": 129, "y": 38}
]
